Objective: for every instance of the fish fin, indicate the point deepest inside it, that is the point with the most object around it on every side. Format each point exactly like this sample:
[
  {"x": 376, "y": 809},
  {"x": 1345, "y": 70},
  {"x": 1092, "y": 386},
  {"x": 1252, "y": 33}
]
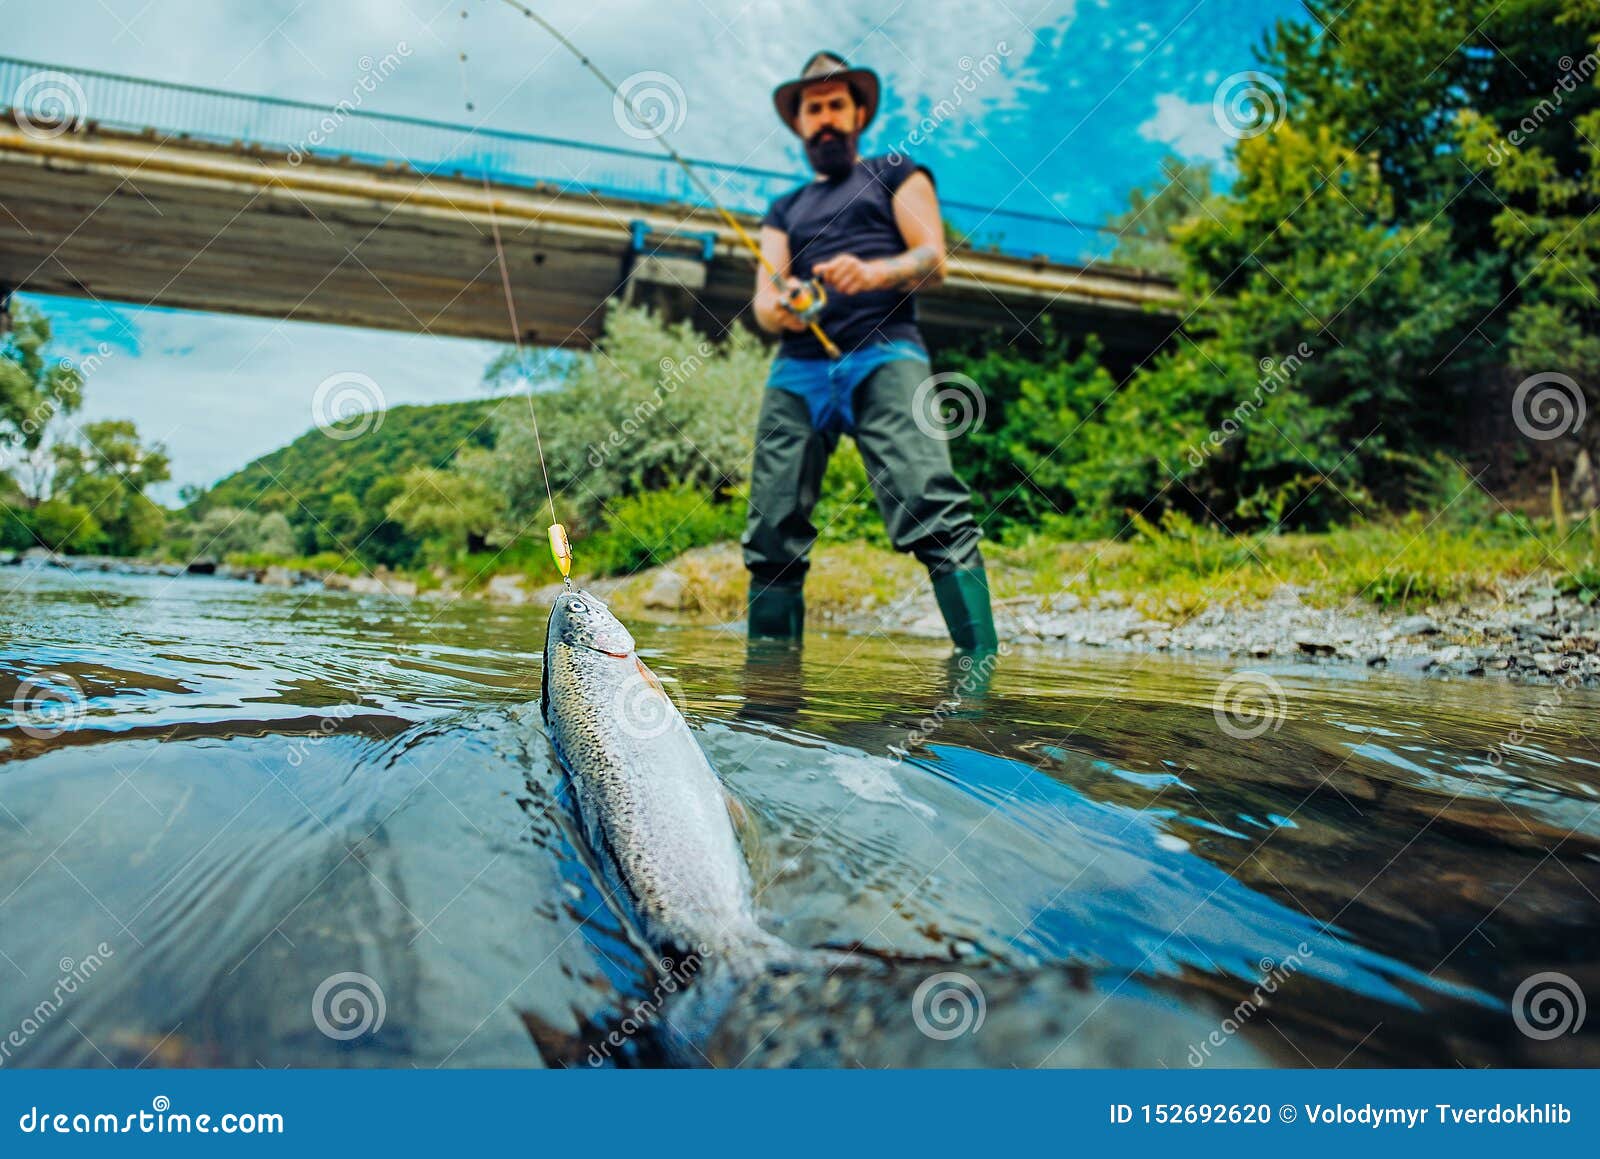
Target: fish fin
[
  {"x": 556, "y": 1047},
  {"x": 777, "y": 956},
  {"x": 737, "y": 813}
]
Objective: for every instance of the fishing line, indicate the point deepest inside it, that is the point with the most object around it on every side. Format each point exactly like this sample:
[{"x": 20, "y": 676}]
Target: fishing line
[
  {"x": 807, "y": 299},
  {"x": 560, "y": 546}
]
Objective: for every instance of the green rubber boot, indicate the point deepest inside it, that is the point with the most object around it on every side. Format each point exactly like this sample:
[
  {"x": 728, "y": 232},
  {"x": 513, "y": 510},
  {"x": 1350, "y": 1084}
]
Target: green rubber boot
[
  {"x": 777, "y": 611},
  {"x": 964, "y": 602}
]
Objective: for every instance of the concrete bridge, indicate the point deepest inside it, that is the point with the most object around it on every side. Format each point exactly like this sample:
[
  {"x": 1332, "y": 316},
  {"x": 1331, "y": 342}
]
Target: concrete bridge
[{"x": 132, "y": 191}]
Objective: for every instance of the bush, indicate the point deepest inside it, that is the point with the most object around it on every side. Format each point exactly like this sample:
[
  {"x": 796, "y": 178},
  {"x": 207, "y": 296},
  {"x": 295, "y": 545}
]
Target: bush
[
  {"x": 1020, "y": 457},
  {"x": 652, "y": 407},
  {"x": 64, "y": 526},
  {"x": 16, "y": 528},
  {"x": 652, "y": 527}
]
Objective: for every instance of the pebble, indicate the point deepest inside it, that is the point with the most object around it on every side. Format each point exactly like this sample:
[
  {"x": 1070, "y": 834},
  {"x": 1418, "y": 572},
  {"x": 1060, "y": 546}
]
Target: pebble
[
  {"x": 1416, "y": 626},
  {"x": 1561, "y": 643}
]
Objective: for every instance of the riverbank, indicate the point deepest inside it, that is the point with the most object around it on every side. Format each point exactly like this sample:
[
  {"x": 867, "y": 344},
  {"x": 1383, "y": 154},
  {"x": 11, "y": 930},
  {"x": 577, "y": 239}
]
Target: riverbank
[
  {"x": 1533, "y": 627},
  {"x": 1408, "y": 598}
]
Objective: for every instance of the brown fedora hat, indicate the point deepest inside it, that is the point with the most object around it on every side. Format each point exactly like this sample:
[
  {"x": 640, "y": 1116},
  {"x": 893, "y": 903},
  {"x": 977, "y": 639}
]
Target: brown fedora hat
[{"x": 823, "y": 66}]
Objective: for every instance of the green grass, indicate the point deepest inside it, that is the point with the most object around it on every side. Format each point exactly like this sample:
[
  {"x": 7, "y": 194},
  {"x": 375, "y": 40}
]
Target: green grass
[{"x": 1177, "y": 569}]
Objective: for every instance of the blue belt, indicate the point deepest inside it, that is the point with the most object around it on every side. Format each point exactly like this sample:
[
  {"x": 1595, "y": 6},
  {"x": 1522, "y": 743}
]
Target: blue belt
[{"x": 829, "y": 384}]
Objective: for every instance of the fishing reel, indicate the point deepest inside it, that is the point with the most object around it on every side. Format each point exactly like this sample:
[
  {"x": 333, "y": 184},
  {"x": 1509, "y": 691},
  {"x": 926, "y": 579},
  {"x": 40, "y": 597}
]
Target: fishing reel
[{"x": 806, "y": 300}]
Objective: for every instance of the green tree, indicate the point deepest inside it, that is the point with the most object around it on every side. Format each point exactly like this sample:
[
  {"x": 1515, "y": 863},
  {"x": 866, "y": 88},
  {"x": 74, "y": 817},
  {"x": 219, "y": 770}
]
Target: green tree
[
  {"x": 343, "y": 521},
  {"x": 1434, "y": 89},
  {"x": 452, "y": 511},
  {"x": 654, "y": 406},
  {"x": 1544, "y": 172},
  {"x": 34, "y": 387},
  {"x": 1392, "y": 77},
  {"x": 224, "y": 531},
  {"x": 1144, "y": 229},
  {"x": 274, "y": 536},
  {"x": 106, "y": 469},
  {"x": 1315, "y": 351}
]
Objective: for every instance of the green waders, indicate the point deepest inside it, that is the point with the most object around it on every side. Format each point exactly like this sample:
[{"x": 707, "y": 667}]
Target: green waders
[{"x": 926, "y": 508}]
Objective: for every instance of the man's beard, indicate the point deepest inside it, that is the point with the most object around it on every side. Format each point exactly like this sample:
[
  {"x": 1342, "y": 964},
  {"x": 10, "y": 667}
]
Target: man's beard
[{"x": 831, "y": 152}]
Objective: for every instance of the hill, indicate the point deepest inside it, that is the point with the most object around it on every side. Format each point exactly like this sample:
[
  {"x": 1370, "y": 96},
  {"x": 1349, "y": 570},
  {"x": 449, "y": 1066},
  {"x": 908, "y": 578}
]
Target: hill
[{"x": 333, "y": 491}]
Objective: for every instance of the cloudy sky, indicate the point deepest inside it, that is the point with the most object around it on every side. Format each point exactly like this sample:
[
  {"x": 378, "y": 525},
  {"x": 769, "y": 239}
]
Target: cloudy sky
[{"x": 1089, "y": 96}]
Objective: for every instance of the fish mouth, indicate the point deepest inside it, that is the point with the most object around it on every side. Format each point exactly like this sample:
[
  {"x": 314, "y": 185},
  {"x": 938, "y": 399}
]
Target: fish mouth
[{"x": 602, "y": 651}]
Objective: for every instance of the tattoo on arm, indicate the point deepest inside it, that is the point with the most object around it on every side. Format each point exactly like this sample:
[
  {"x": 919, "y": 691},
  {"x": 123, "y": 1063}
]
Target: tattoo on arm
[{"x": 917, "y": 268}]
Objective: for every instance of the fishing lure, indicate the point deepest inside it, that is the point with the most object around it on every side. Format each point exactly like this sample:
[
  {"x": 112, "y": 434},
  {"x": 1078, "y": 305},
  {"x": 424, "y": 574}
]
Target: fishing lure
[{"x": 561, "y": 549}]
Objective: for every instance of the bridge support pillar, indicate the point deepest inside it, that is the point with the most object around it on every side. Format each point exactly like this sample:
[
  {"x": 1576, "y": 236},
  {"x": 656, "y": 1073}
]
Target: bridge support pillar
[
  {"x": 668, "y": 285},
  {"x": 5, "y": 309}
]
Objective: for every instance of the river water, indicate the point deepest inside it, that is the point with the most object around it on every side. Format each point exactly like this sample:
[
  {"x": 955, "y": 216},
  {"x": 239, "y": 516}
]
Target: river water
[{"x": 245, "y": 827}]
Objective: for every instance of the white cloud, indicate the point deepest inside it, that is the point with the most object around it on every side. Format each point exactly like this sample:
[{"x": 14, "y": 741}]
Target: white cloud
[
  {"x": 219, "y": 390},
  {"x": 1189, "y": 127}
]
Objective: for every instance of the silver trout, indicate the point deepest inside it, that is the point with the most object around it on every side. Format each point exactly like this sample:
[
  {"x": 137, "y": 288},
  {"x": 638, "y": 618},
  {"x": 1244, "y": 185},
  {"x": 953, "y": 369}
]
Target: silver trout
[{"x": 653, "y": 806}]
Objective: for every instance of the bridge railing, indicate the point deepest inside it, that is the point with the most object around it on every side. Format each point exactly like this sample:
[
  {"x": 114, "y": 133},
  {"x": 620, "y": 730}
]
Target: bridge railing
[{"x": 49, "y": 96}]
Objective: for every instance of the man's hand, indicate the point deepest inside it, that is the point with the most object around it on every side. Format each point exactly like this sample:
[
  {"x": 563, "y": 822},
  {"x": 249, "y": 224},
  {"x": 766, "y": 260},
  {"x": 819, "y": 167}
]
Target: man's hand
[
  {"x": 849, "y": 274},
  {"x": 771, "y": 292}
]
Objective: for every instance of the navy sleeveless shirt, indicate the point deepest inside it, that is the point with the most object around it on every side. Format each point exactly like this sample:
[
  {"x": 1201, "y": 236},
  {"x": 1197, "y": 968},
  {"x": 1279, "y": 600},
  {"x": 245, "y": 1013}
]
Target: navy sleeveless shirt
[{"x": 851, "y": 215}]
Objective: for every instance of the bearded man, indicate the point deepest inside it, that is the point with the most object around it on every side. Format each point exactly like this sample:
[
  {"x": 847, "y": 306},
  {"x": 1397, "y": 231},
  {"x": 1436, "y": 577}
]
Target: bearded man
[{"x": 870, "y": 230}]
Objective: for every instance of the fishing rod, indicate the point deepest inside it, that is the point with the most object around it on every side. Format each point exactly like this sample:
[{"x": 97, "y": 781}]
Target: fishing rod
[
  {"x": 805, "y": 299},
  {"x": 560, "y": 545}
]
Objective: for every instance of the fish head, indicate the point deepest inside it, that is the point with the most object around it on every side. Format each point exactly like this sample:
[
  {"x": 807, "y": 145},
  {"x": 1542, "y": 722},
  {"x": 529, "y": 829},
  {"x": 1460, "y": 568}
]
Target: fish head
[{"x": 579, "y": 620}]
